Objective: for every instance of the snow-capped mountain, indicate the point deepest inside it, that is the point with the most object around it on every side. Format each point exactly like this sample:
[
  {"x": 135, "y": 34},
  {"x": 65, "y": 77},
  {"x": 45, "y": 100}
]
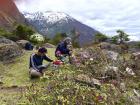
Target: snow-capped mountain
[
  {"x": 50, "y": 17},
  {"x": 49, "y": 23}
]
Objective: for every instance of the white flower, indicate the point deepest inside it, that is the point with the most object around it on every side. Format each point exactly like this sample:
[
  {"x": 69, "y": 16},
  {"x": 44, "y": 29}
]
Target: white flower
[{"x": 91, "y": 59}]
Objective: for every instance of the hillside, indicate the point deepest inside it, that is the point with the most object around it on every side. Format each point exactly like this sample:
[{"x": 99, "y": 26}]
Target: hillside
[
  {"x": 9, "y": 14},
  {"x": 49, "y": 23},
  {"x": 66, "y": 85}
]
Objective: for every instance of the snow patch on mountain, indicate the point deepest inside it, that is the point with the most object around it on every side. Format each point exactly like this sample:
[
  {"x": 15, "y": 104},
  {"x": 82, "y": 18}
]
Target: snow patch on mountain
[{"x": 50, "y": 17}]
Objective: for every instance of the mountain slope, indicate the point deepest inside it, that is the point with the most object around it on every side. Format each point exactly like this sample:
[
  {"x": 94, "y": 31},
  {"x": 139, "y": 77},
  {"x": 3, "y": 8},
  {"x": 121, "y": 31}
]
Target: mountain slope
[
  {"x": 9, "y": 14},
  {"x": 49, "y": 23}
]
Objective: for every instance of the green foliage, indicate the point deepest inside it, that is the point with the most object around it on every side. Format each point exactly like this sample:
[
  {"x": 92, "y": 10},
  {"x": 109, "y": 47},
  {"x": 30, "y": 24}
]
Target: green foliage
[
  {"x": 114, "y": 39},
  {"x": 20, "y": 32},
  {"x": 23, "y": 32},
  {"x": 138, "y": 45},
  {"x": 3, "y": 32},
  {"x": 99, "y": 37},
  {"x": 58, "y": 86},
  {"x": 58, "y": 38},
  {"x": 7, "y": 34},
  {"x": 121, "y": 38},
  {"x": 46, "y": 39},
  {"x": 34, "y": 40}
]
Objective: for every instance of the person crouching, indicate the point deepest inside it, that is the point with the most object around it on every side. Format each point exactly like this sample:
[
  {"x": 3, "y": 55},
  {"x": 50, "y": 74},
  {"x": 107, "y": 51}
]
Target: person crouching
[
  {"x": 63, "y": 49},
  {"x": 36, "y": 67}
]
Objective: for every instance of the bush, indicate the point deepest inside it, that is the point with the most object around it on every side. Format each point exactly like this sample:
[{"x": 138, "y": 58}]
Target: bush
[
  {"x": 138, "y": 45},
  {"x": 114, "y": 39},
  {"x": 20, "y": 32},
  {"x": 23, "y": 32},
  {"x": 58, "y": 37},
  {"x": 99, "y": 37}
]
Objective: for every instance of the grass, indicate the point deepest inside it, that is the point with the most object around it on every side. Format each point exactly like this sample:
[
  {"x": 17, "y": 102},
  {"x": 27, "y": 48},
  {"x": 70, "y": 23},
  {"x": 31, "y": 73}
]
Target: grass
[
  {"x": 57, "y": 87},
  {"x": 16, "y": 74}
]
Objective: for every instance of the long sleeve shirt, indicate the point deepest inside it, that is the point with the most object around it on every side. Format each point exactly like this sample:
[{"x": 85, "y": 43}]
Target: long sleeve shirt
[
  {"x": 36, "y": 61},
  {"x": 62, "y": 47}
]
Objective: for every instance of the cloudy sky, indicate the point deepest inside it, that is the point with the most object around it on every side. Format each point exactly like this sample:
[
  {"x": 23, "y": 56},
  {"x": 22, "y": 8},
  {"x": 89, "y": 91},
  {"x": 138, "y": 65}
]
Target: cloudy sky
[{"x": 105, "y": 16}]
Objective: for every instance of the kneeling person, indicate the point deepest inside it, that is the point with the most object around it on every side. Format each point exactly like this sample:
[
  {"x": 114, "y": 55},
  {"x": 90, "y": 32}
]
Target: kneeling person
[
  {"x": 36, "y": 62},
  {"x": 64, "y": 49}
]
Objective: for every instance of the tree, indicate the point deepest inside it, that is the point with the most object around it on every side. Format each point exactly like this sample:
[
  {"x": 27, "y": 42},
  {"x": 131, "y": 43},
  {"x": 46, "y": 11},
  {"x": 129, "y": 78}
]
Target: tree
[
  {"x": 122, "y": 37},
  {"x": 23, "y": 32},
  {"x": 99, "y": 37},
  {"x": 114, "y": 39}
]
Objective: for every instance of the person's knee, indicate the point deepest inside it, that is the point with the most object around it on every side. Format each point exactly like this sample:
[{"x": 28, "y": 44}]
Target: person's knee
[{"x": 34, "y": 73}]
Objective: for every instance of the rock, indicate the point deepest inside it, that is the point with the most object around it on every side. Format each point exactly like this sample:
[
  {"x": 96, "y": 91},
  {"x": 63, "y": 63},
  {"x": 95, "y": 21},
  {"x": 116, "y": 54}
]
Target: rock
[
  {"x": 95, "y": 81},
  {"x": 22, "y": 43},
  {"x": 8, "y": 49},
  {"x": 111, "y": 72},
  {"x": 105, "y": 45},
  {"x": 122, "y": 87},
  {"x": 110, "y": 47},
  {"x": 115, "y": 48},
  {"x": 3, "y": 40},
  {"x": 136, "y": 55},
  {"x": 82, "y": 78},
  {"x": 136, "y": 93},
  {"x": 130, "y": 71},
  {"x": 48, "y": 45},
  {"x": 111, "y": 55},
  {"x": 134, "y": 63},
  {"x": 25, "y": 44}
]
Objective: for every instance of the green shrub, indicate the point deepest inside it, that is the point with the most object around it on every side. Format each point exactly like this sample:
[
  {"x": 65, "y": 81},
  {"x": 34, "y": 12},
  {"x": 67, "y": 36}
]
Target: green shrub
[
  {"x": 99, "y": 37},
  {"x": 23, "y": 32},
  {"x": 58, "y": 38}
]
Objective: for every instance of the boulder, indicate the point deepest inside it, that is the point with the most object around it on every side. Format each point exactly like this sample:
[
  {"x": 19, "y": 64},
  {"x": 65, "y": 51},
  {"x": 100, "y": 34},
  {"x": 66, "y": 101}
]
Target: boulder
[
  {"x": 25, "y": 44},
  {"x": 111, "y": 55},
  {"x": 22, "y": 43},
  {"x": 3, "y": 40},
  {"x": 8, "y": 49},
  {"x": 114, "y": 47},
  {"x": 105, "y": 45}
]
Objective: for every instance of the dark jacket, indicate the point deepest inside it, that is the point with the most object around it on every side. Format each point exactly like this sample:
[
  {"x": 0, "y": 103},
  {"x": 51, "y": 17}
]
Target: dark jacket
[
  {"x": 36, "y": 61},
  {"x": 62, "y": 47}
]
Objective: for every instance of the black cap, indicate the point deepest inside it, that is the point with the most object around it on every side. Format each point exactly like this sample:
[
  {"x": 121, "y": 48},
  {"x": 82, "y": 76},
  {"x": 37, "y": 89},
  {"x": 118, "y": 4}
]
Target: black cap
[{"x": 42, "y": 50}]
